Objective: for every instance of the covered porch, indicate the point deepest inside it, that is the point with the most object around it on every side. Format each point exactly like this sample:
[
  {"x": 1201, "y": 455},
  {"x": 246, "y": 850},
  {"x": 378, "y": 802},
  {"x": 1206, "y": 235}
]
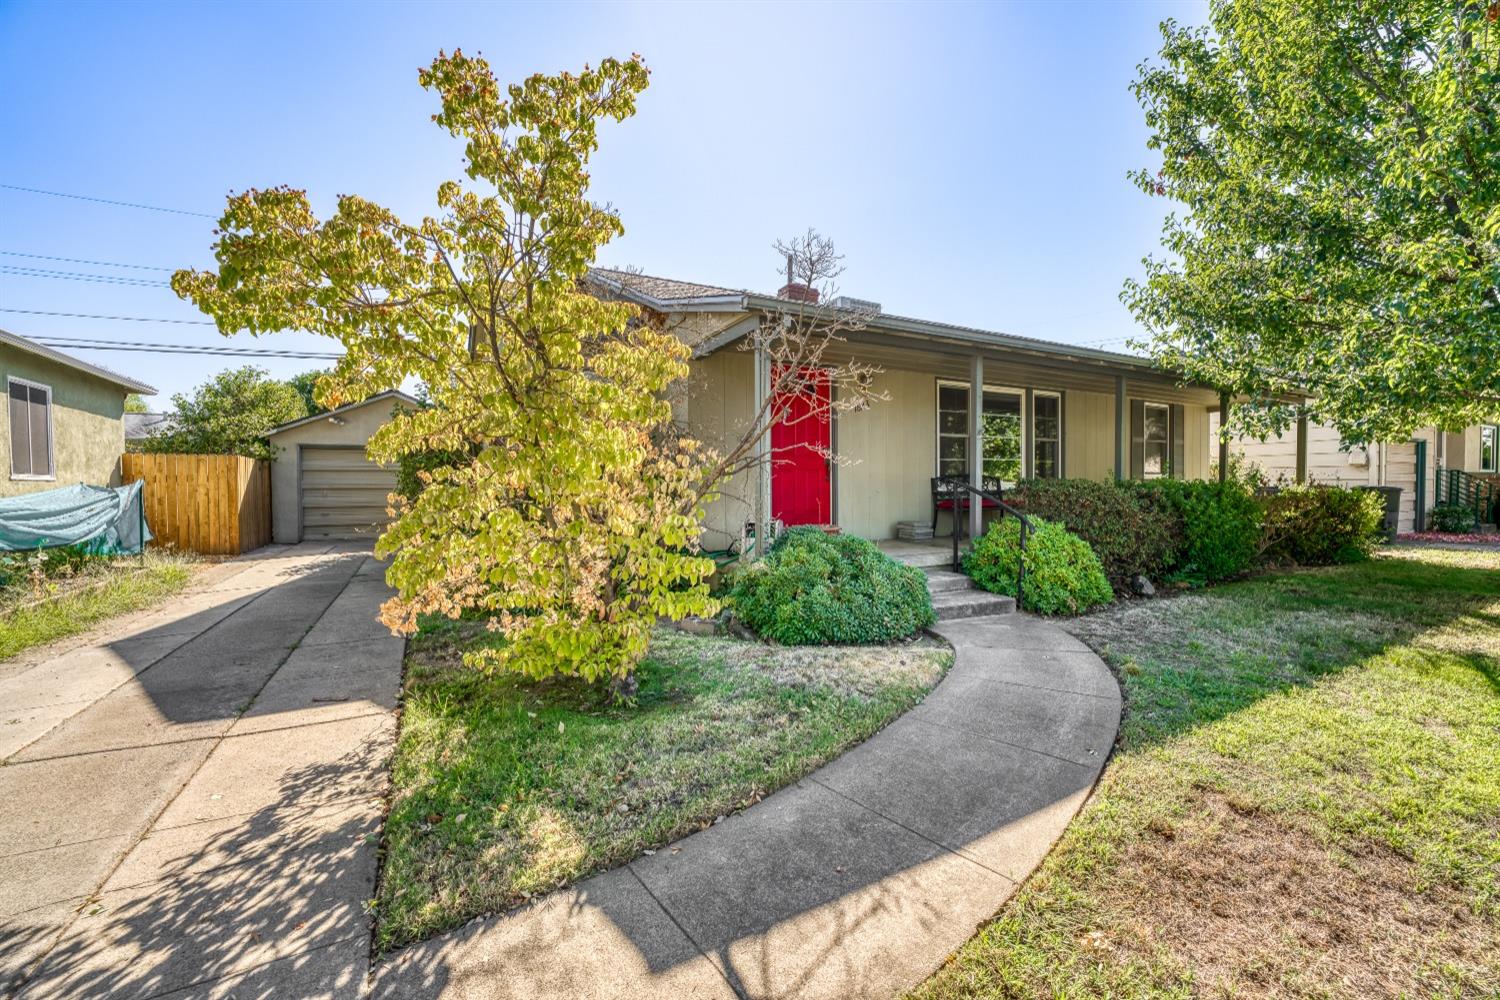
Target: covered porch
[{"x": 1042, "y": 411}]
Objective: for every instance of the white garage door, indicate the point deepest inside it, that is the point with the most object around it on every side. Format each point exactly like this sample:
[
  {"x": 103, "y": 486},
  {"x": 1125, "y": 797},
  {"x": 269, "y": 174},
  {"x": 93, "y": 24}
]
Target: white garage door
[{"x": 343, "y": 493}]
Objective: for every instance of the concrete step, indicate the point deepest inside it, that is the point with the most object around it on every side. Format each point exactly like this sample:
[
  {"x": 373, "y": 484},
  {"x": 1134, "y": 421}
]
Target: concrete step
[
  {"x": 942, "y": 581},
  {"x": 970, "y": 604}
]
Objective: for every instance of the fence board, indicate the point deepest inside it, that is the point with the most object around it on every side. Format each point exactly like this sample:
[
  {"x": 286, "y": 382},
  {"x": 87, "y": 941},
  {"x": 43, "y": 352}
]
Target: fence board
[{"x": 213, "y": 504}]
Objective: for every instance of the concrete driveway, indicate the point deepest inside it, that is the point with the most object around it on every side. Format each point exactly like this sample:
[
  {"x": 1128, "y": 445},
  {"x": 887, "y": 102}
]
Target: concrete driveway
[{"x": 191, "y": 803}]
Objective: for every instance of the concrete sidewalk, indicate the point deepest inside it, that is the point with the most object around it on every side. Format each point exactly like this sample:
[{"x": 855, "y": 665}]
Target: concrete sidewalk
[
  {"x": 192, "y": 803},
  {"x": 857, "y": 881}
]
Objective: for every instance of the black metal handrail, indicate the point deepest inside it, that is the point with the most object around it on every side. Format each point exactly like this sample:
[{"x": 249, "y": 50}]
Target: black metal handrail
[{"x": 960, "y": 485}]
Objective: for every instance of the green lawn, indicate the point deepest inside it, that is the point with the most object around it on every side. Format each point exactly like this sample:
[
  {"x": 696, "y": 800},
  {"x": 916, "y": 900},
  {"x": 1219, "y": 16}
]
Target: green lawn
[
  {"x": 506, "y": 788},
  {"x": 1305, "y": 801},
  {"x": 77, "y": 594}
]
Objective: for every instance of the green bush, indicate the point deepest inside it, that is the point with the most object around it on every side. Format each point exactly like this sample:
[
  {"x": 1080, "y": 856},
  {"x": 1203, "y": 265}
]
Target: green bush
[
  {"x": 1221, "y": 527},
  {"x": 1131, "y": 530},
  {"x": 1454, "y": 518},
  {"x": 1063, "y": 575},
  {"x": 815, "y": 589},
  {"x": 1321, "y": 525}
]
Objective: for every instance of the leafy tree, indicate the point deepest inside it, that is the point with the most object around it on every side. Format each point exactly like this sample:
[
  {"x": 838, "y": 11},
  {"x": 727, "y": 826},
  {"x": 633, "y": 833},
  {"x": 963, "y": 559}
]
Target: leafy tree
[
  {"x": 569, "y": 509},
  {"x": 1339, "y": 167},
  {"x": 231, "y": 414},
  {"x": 135, "y": 403},
  {"x": 306, "y": 384}
]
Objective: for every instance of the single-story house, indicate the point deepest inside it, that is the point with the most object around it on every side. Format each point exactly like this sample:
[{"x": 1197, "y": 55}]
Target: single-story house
[
  {"x": 1428, "y": 468},
  {"x": 1046, "y": 409},
  {"x": 323, "y": 487},
  {"x": 63, "y": 421}
]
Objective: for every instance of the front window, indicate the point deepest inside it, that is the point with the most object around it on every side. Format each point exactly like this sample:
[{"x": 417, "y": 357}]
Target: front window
[
  {"x": 1489, "y": 448},
  {"x": 30, "y": 430},
  {"x": 1000, "y": 431},
  {"x": 1046, "y": 432},
  {"x": 1156, "y": 443}
]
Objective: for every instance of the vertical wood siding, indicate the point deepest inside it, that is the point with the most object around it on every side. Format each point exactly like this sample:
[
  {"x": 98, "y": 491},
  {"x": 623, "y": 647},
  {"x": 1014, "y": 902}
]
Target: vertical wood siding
[{"x": 210, "y": 504}]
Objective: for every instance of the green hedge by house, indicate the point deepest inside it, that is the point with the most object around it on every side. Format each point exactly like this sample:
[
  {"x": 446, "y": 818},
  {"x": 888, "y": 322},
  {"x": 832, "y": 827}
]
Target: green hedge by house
[
  {"x": 1133, "y": 530},
  {"x": 1063, "y": 575},
  {"x": 1453, "y": 518},
  {"x": 1221, "y": 527},
  {"x": 819, "y": 589},
  {"x": 1321, "y": 525}
]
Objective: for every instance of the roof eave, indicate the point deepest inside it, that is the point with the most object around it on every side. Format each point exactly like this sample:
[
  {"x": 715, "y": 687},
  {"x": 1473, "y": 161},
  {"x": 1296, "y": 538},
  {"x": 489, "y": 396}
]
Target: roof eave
[
  {"x": 310, "y": 418},
  {"x": 51, "y": 354}
]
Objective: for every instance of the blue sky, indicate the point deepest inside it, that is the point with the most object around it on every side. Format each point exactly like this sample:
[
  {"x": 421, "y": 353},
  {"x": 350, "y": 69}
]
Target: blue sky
[{"x": 968, "y": 159}]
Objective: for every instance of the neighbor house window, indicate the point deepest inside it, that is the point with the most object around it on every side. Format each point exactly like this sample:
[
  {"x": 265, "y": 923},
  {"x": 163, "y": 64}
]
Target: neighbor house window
[
  {"x": 1000, "y": 432},
  {"x": 1156, "y": 441},
  {"x": 1046, "y": 435},
  {"x": 30, "y": 430},
  {"x": 1489, "y": 448}
]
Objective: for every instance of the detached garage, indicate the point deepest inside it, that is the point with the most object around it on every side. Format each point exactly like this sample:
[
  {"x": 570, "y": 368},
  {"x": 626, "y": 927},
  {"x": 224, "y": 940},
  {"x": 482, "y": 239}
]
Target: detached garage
[{"x": 323, "y": 488}]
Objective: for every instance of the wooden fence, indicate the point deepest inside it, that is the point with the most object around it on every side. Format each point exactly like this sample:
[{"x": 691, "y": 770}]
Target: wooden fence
[{"x": 212, "y": 504}]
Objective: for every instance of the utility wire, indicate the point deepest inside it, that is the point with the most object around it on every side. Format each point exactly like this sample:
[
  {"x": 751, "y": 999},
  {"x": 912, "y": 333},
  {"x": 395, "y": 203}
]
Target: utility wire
[
  {"x": 81, "y": 260},
  {"x": 99, "y": 279},
  {"x": 215, "y": 352},
  {"x": 107, "y": 201},
  {"x": 106, "y": 342},
  {"x": 123, "y": 319}
]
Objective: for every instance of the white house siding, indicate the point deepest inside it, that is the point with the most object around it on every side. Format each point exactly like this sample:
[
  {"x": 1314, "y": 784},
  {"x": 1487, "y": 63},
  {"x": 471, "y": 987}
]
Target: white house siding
[{"x": 889, "y": 454}]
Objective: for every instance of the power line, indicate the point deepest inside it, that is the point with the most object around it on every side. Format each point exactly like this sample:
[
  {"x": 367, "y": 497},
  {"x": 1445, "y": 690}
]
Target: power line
[
  {"x": 214, "y": 352},
  {"x": 108, "y": 341},
  {"x": 107, "y": 201},
  {"x": 80, "y": 260},
  {"x": 123, "y": 319},
  {"x": 98, "y": 279}
]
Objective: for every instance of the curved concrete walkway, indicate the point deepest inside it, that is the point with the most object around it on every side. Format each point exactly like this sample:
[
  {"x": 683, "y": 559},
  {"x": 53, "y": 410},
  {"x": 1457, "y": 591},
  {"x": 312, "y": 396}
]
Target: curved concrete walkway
[{"x": 856, "y": 881}]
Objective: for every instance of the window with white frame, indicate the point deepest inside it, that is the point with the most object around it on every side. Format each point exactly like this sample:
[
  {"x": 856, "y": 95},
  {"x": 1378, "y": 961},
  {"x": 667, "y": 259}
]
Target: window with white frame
[
  {"x": 1001, "y": 431},
  {"x": 1489, "y": 449},
  {"x": 1156, "y": 441},
  {"x": 1046, "y": 435},
  {"x": 30, "y": 429}
]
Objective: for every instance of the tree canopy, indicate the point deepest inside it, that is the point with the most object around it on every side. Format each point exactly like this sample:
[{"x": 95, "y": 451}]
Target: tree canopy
[
  {"x": 230, "y": 414},
  {"x": 569, "y": 518},
  {"x": 1338, "y": 167}
]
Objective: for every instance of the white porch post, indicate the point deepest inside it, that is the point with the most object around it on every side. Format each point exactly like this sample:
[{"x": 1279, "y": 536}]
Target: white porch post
[
  {"x": 761, "y": 488},
  {"x": 976, "y": 443}
]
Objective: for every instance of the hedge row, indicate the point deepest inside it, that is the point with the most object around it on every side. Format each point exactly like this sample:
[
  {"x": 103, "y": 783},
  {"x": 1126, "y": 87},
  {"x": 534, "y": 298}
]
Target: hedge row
[{"x": 1170, "y": 529}]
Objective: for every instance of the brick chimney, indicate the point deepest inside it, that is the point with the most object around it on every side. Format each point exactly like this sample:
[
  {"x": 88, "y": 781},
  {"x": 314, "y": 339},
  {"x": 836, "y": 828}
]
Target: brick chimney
[{"x": 795, "y": 291}]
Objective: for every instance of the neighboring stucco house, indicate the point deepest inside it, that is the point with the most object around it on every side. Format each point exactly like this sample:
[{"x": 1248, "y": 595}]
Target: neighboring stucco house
[
  {"x": 1413, "y": 465},
  {"x": 63, "y": 418},
  {"x": 1049, "y": 409}
]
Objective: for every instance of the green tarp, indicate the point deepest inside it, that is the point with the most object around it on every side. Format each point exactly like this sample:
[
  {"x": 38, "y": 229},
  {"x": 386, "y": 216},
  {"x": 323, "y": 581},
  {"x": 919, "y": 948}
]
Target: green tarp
[{"x": 99, "y": 519}]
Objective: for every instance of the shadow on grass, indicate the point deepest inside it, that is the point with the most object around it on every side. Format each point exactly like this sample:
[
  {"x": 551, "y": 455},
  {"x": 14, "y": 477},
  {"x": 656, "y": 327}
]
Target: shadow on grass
[{"x": 1191, "y": 660}]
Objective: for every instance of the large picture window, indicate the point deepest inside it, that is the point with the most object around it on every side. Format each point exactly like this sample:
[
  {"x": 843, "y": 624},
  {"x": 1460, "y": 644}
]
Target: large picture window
[
  {"x": 1046, "y": 435},
  {"x": 1001, "y": 432},
  {"x": 30, "y": 430},
  {"x": 1489, "y": 449}
]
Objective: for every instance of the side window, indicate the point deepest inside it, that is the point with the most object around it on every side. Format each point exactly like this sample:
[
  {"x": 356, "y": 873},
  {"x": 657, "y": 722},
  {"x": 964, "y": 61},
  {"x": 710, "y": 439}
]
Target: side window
[
  {"x": 1156, "y": 442},
  {"x": 30, "y": 429},
  {"x": 1046, "y": 459},
  {"x": 1489, "y": 448}
]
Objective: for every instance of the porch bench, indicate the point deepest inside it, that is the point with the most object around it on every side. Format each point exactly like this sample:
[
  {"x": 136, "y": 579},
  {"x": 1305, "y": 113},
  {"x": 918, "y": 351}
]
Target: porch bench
[{"x": 947, "y": 497}]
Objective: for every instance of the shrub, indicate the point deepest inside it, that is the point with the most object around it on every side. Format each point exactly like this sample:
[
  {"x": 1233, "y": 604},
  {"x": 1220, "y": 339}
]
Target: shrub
[
  {"x": 1131, "y": 530},
  {"x": 1452, "y": 518},
  {"x": 815, "y": 589},
  {"x": 1063, "y": 575},
  {"x": 1221, "y": 527},
  {"x": 1319, "y": 525}
]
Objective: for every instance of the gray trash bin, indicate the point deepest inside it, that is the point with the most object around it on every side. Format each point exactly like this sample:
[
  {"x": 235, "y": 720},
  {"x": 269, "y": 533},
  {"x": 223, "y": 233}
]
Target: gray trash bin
[{"x": 1392, "y": 508}]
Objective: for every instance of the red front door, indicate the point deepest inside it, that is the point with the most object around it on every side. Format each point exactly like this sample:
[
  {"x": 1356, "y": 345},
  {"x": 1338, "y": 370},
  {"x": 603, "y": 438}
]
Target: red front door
[{"x": 801, "y": 472}]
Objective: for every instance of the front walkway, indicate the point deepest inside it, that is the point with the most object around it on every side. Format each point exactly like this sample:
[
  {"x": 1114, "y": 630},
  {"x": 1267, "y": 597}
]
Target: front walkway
[
  {"x": 192, "y": 802},
  {"x": 857, "y": 881}
]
